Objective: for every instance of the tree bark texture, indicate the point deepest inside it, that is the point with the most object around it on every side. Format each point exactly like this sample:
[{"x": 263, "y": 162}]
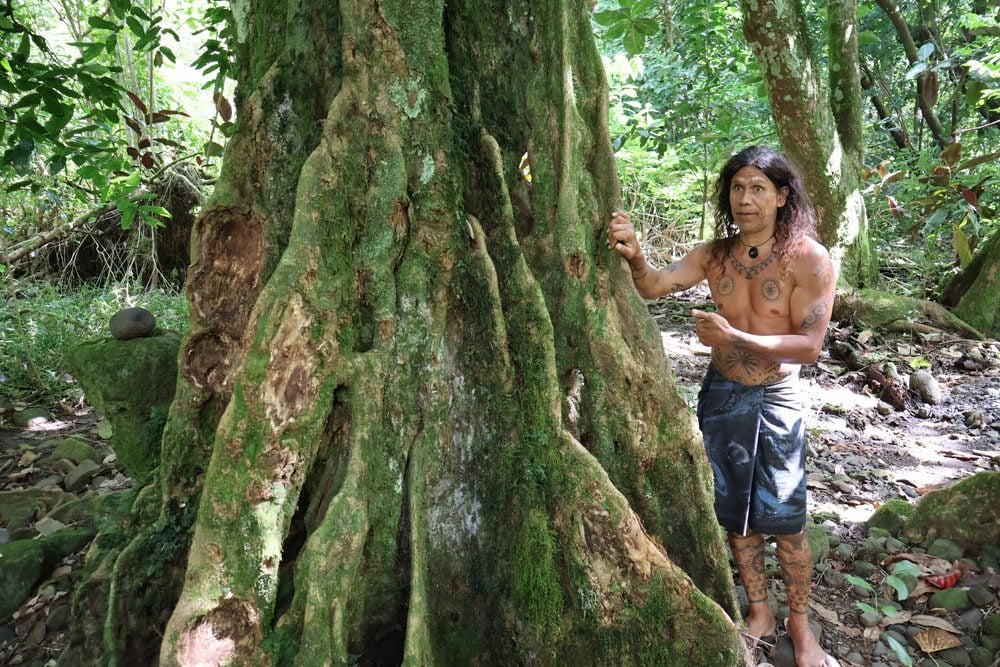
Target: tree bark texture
[
  {"x": 818, "y": 128},
  {"x": 423, "y": 415},
  {"x": 974, "y": 293}
]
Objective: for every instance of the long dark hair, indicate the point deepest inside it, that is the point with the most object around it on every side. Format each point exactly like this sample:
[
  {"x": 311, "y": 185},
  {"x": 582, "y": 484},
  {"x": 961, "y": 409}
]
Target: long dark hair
[{"x": 795, "y": 220}]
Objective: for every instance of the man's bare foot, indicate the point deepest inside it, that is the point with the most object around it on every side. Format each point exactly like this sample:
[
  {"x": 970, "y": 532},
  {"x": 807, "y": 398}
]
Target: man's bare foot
[
  {"x": 808, "y": 652},
  {"x": 761, "y": 623}
]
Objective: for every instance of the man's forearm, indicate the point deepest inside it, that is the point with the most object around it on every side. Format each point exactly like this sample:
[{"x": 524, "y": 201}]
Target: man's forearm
[{"x": 780, "y": 348}]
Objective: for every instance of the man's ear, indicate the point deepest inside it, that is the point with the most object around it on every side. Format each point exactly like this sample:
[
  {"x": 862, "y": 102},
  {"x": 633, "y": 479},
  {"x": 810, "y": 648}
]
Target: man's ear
[{"x": 782, "y": 195}]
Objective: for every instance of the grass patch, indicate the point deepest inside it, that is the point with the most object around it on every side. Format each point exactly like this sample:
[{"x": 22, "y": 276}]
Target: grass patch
[{"x": 40, "y": 322}]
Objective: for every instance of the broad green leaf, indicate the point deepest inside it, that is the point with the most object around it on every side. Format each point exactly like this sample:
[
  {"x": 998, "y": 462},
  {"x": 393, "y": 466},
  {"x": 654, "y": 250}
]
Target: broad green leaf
[
  {"x": 647, "y": 27},
  {"x": 614, "y": 32},
  {"x": 633, "y": 42},
  {"x": 961, "y": 245},
  {"x": 898, "y": 585},
  {"x": 605, "y": 18},
  {"x": 858, "y": 581},
  {"x": 898, "y": 650},
  {"x": 906, "y": 567},
  {"x": 103, "y": 24},
  {"x": 888, "y": 610},
  {"x": 863, "y": 606},
  {"x": 133, "y": 180}
]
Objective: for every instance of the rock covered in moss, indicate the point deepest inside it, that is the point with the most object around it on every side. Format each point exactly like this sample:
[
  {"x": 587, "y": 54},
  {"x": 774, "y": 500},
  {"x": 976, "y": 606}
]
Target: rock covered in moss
[
  {"x": 74, "y": 449},
  {"x": 819, "y": 541},
  {"x": 890, "y": 516},
  {"x": 991, "y": 625},
  {"x": 131, "y": 383},
  {"x": 951, "y": 599},
  {"x": 132, "y": 323},
  {"x": 31, "y": 416},
  {"x": 945, "y": 548},
  {"x": 21, "y": 566},
  {"x": 965, "y": 513}
]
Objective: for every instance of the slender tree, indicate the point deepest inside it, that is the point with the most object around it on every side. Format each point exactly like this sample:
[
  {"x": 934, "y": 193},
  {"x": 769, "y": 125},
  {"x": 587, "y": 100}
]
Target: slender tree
[
  {"x": 819, "y": 122},
  {"x": 422, "y": 414}
]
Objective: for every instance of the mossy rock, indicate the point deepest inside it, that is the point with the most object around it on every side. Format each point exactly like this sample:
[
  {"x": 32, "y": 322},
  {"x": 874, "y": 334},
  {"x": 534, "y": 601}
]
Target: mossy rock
[
  {"x": 64, "y": 542},
  {"x": 964, "y": 513},
  {"x": 22, "y": 565},
  {"x": 131, "y": 383},
  {"x": 819, "y": 540},
  {"x": 891, "y": 516},
  {"x": 991, "y": 625},
  {"x": 19, "y": 508},
  {"x": 74, "y": 449},
  {"x": 952, "y": 599}
]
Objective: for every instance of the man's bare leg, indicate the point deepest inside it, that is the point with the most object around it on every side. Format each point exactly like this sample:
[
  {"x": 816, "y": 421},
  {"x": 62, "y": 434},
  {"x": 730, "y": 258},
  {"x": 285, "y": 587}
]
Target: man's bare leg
[
  {"x": 748, "y": 552},
  {"x": 795, "y": 557}
]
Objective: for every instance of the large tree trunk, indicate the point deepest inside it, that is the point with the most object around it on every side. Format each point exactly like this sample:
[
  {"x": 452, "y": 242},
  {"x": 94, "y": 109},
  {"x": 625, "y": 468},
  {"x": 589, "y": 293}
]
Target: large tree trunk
[
  {"x": 819, "y": 130},
  {"x": 426, "y": 413},
  {"x": 973, "y": 293}
]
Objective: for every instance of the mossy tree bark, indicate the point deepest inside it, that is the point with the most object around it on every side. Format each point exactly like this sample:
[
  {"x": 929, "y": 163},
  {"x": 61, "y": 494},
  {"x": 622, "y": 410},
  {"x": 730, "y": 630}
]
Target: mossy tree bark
[
  {"x": 423, "y": 412},
  {"x": 973, "y": 293},
  {"x": 819, "y": 125}
]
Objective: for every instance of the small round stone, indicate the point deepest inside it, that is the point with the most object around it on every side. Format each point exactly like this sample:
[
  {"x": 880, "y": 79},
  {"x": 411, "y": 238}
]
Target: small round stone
[{"x": 131, "y": 323}]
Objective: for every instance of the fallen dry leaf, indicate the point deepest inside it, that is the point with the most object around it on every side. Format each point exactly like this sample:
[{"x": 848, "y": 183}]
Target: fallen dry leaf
[
  {"x": 932, "y": 640},
  {"x": 934, "y": 622},
  {"x": 930, "y": 565},
  {"x": 900, "y": 618}
]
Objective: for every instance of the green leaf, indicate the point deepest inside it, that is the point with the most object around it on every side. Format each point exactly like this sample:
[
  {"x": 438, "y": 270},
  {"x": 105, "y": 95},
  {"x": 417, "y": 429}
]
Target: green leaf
[
  {"x": 135, "y": 26},
  {"x": 614, "y": 32},
  {"x": 961, "y": 245},
  {"x": 605, "y": 18},
  {"x": 898, "y": 650},
  {"x": 24, "y": 49},
  {"x": 103, "y": 24},
  {"x": 133, "y": 180},
  {"x": 867, "y": 37},
  {"x": 863, "y": 606},
  {"x": 888, "y": 610},
  {"x": 633, "y": 42},
  {"x": 213, "y": 149},
  {"x": 647, "y": 27},
  {"x": 858, "y": 581},
  {"x": 906, "y": 567}
]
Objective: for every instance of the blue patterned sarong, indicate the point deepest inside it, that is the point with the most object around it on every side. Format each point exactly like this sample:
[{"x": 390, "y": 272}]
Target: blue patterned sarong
[{"x": 755, "y": 440}]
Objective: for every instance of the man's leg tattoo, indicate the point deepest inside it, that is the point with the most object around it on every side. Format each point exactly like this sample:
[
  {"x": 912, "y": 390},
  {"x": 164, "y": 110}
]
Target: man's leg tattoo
[
  {"x": 748, "y": 552},
  {"x": 795, "y": 557}
]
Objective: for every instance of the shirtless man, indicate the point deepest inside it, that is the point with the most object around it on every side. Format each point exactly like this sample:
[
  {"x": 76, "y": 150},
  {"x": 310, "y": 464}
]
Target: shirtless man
[{"x": 772, "y": 284}]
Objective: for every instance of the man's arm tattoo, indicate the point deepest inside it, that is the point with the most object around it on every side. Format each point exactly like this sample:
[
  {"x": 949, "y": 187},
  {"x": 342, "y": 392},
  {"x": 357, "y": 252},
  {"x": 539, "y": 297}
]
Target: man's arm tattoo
[{"x": 815, "y": 315}]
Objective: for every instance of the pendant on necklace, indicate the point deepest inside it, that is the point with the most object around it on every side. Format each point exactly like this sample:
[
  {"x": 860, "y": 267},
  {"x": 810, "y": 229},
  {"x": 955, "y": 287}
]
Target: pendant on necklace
[{"x": 753, "y": 252}]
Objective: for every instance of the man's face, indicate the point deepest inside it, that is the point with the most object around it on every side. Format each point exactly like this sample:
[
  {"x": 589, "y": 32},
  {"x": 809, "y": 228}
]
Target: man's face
[{"x": 755, "y": 200}]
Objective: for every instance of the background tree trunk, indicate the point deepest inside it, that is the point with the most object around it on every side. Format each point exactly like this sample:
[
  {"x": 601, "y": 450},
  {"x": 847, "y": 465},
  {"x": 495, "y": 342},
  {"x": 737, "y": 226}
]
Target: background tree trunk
[
  {"x": 427, "y": 415},
  {"x": 820, "y": 130},
  {"x": 973, "y": 293}
]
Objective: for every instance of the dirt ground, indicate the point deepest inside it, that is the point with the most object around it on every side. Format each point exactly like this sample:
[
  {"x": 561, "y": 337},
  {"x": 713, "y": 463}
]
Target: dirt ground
[{"x": 861, "y": 453}]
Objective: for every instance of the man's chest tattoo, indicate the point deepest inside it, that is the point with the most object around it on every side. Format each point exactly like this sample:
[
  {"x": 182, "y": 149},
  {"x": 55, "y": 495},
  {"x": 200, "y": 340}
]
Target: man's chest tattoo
[
  {"x": 725, "y": 286},
  {"x": 771, "y": 290},
  {"x": 749, "y": 272}
]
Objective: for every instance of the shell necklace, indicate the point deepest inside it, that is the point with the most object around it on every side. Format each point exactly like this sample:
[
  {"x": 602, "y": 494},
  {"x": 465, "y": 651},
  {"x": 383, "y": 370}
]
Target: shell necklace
[{"x": 749, "y": 272}]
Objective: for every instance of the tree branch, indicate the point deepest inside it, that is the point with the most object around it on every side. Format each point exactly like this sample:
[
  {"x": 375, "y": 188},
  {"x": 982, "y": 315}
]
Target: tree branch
[{"x": 910, "y": 48}]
